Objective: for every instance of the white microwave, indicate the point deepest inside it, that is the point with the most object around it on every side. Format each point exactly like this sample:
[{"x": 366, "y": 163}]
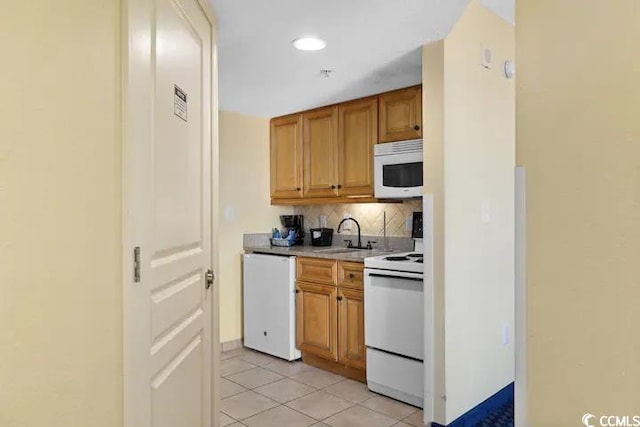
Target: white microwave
[{"x": 398, "y": 169}]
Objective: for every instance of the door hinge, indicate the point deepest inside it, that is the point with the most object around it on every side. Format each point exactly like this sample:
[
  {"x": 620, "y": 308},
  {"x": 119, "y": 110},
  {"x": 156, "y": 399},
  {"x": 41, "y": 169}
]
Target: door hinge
[
  {"x": 136, "y": 264},
  {"x": 209, "y": 278}
]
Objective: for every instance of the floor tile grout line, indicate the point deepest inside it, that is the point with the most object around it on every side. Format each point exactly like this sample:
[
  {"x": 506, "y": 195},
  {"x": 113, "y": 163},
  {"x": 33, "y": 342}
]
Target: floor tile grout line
[
  {"x": 387, "y": 415},
  {"x": 239, "y": 372},
  {"x": 229, "y": 379},
  {"x": 299, "y": 397},
  {"x": 257, "y": 413}
]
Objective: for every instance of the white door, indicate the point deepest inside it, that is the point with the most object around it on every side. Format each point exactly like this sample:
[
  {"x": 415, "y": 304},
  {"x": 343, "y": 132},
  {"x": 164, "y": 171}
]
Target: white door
[{"x": 167, "y": 202}]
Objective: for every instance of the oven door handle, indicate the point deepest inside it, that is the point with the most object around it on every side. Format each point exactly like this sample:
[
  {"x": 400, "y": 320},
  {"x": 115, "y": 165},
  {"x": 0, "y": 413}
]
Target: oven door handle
[{"x": 390, "y": 276}]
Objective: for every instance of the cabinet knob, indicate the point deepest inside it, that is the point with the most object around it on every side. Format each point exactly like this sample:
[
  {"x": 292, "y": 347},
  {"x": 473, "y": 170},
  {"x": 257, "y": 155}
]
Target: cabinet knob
[
  {"x": 339, "y": 186},
  {"x": 297, "y": 291},
  {"x": 352, "y": 276},
  {"x": 298, "y": 189},
  {"x": 333, "y": 187},
  {"x": 416, "y": 127},
  {"x": 339, "y": 298}
]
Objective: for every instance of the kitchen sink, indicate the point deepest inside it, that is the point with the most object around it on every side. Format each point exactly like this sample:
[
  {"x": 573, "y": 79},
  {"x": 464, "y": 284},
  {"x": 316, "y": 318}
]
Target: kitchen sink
[{"x": 336, "y": 250}]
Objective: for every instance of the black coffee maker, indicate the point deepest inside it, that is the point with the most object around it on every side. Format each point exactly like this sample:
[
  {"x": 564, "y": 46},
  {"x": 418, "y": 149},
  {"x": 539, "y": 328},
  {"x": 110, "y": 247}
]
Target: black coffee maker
[{"x": 295, "y": 223}]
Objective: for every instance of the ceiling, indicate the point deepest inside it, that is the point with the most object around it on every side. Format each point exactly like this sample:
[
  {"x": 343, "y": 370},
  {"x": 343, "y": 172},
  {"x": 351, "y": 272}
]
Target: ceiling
[{"x": 372, "y": 46}]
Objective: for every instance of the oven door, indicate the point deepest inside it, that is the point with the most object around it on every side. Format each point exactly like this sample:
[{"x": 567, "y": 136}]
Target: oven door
[
  {"x": 398, "y": 176},
  {"x": 394, "y": 312}
]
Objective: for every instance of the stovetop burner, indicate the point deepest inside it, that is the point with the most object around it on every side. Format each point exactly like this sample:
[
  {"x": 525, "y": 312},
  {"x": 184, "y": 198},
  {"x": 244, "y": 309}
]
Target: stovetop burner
[
  {"x": 419, "y": 261},
  {"x": 415, "y": 255},
  {"x": 396, "y": 258}
]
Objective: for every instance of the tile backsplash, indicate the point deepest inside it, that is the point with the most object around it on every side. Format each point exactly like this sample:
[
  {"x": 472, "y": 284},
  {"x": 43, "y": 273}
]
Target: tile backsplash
[{"x": 369, "y": 215}]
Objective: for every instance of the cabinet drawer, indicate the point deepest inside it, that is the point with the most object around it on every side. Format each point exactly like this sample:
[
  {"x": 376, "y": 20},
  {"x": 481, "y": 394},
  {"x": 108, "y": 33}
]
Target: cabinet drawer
[
  {"x": 317, "y": 270},
  {"x": 351, "y": 274}
]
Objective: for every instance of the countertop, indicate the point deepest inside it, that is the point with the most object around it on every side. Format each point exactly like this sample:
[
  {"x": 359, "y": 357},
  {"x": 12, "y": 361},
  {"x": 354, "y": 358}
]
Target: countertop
[{"x": 354, "y": 255}]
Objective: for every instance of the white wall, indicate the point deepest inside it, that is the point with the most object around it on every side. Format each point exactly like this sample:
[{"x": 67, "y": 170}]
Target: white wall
[
  {"x": 245, "y": 207},
  {"x": 478, "y": 157}
]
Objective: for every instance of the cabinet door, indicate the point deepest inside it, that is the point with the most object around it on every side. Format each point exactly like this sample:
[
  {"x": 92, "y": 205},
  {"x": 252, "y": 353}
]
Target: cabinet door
[
  {"x": 401, "y": 114},
  {"x": 321, "y": 152},
  {"x": 286, "y": 157},
  {"x": 351, "y": 328},
  {"x": 317, "y": 319},
  {"x": 358, "y": 134}
]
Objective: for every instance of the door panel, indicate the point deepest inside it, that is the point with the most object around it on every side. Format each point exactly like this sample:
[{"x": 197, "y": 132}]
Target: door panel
[
  {"x": 401, "y": 114},
  {"x": 316, "y": 312},
  {"x": 351, "y": 328},
  {"x": 168, "y": 315},
  {"x": 286, "y": 157},
  {"x": 321, "y": 152},
  {"x": 358, "y": 134},
  {"x": 180, "y": 346}
]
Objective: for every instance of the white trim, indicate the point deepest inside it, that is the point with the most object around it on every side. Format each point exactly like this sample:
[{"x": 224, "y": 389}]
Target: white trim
[
  {"x": 520, "y": 299},
  {"x": 429, "y": 329}
]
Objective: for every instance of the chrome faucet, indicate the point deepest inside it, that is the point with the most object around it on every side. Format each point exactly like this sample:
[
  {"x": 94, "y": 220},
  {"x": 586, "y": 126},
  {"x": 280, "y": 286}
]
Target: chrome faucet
[{"x": 349, "y": 243}]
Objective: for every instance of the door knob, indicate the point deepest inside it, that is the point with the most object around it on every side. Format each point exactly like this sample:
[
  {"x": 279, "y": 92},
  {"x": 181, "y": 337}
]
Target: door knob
[{"x": 209, "y": 278}]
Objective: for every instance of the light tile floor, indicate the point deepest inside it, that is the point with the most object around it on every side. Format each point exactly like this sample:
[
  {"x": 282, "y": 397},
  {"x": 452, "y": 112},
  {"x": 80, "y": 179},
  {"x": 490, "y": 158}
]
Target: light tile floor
[{"x": 262, "y": 391}]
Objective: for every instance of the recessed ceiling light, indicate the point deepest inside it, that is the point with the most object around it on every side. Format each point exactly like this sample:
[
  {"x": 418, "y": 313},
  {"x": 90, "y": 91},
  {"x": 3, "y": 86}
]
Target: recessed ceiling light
[{"x": 309, "y": 43}]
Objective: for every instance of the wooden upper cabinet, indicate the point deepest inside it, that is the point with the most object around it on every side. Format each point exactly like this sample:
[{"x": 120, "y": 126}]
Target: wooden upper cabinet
[
  {"x": 352, "y": 351},
  {"x": 317, "y": 319},
  {"x": 401, "y": 114},
  {"x": 358, "y": 134},
  {"x": 286, "y": 157},
  {"x": 320, "y": 130}
]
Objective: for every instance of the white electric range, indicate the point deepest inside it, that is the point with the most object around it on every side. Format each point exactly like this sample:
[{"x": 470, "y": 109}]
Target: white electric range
[{"x": 394, "y": 325}]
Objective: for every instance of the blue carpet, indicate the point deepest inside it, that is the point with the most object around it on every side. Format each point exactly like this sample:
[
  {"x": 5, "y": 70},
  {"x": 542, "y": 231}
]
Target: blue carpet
[{"x": 501, "y": 417}]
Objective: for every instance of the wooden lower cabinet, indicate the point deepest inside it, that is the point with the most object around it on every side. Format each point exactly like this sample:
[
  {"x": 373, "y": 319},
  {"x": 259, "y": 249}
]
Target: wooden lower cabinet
[
  {"x": 317, "y": 319},
  {"x": 330, "y": 317},
  {"x": 351, "y": 348}
]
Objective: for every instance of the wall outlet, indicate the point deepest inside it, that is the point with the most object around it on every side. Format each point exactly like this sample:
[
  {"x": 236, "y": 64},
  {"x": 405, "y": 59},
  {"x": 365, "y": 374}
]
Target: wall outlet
[
  {"x": 506, "y": 334},
  {"x": 347, "y": 225}
]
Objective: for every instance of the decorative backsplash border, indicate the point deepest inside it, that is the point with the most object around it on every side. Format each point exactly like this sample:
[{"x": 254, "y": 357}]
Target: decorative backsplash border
[{"x": 369, "y": 215}]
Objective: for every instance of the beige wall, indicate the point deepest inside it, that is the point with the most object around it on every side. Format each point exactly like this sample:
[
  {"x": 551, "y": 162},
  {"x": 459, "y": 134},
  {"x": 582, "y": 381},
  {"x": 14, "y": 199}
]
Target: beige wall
[
  {"x": 478, "y": 158},
  {"x": 579, "y": 140},
  {"x": 244, "y": 204},
  {"x": 60, "y": 230}
]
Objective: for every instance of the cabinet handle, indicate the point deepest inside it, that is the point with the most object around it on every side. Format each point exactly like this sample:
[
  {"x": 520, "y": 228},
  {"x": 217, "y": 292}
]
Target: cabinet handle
[
  {"x": 298, "y": 189},
  {"x": 339, "y": 298},
  {"x": 352, "y": 276},
  {"x": 333, "y": 187},
  {"x": 416, "y": 127}
]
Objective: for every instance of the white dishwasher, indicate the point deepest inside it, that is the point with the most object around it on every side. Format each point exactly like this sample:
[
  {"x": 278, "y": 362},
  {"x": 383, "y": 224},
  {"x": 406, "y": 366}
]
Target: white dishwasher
[{"x": 270, "y": 305}]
